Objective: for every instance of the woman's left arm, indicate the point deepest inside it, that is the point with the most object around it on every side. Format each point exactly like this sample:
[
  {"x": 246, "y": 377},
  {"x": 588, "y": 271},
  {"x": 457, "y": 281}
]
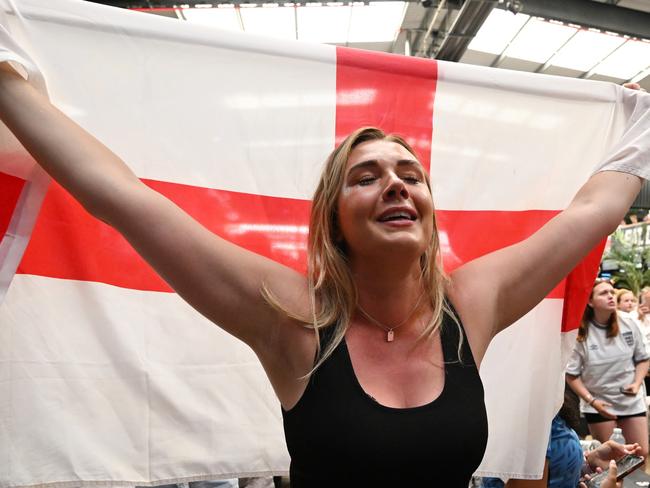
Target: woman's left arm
[{"x": 493, "y": 291}]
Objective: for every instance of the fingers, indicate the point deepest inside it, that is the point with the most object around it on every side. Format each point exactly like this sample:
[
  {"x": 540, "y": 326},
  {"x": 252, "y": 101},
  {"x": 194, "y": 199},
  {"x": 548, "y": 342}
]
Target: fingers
[
  {"x": 607, "y": 414},
  {"x": 633, "y": 86},
  {"x": 613, "y": 471},
  {"x": 632, "y": 448}
]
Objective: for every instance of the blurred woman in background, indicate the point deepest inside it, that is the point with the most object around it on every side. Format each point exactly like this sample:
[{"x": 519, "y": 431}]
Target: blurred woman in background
[{"x": 607, "y": 368}]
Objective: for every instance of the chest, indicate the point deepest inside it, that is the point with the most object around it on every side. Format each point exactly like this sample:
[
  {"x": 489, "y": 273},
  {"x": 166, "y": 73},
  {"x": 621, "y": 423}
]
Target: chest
[
  {"x": 602, "y": 349},
  {"x": 398, "y": 376},
  {"x": 337, "y": 424}
]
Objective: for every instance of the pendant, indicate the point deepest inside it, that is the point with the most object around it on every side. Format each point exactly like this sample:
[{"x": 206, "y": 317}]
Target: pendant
[{"x": 390, "y": 335}]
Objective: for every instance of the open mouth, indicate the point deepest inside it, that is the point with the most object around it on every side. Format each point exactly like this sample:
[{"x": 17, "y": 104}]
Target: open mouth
[{"x": 397, "y": 215}]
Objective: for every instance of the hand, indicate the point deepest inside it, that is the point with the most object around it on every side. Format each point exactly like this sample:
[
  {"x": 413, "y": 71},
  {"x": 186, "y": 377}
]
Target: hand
[
  {"x": 644, "y": 309},
  {"x": 600, "y": 406},
  {"x": 633, "y": 86},
  {"x": 608, "y": 451},
  {"x": 610, "y": 481},
  {"x": 631, "y": 389},
  {"x": 5, "y": 67},
  {"x": 587, "y": 477}
]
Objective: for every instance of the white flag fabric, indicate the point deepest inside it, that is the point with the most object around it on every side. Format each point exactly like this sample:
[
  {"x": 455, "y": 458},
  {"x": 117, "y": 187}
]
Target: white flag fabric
[{"x": 109, "y": 379}]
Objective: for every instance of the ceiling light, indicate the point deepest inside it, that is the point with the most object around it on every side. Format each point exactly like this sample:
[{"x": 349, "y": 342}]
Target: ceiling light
[
  {"x": 323, "y": 24},
  {"x": 271, "y": 21},
  {"x": 222, "y": 18},
  {"x": 527, "y": 45},
  {"x": 641, "y": 75},
  {"x": 586, "y": 49},
  {"x": 376, "y": 22},
  {"x": 497, "y": 31},
  {"x": 627, "y": 61}
]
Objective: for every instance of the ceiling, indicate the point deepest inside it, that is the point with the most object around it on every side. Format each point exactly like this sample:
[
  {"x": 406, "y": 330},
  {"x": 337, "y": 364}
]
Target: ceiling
[{"x": 595, "y": 39}]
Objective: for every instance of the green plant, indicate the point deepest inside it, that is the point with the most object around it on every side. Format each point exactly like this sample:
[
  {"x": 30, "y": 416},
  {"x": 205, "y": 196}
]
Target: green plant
[{"x": 631, "y": 273}]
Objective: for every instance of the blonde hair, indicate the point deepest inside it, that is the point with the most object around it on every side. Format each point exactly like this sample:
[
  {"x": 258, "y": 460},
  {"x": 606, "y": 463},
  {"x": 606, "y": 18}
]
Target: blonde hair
[
  {"x": 620, "y": 292},
  {"x": 332, "y": 291}
]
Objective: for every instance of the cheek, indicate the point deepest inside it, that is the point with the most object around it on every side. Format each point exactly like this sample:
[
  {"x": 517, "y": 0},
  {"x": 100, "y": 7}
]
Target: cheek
[{"x": 350, "y": 211}]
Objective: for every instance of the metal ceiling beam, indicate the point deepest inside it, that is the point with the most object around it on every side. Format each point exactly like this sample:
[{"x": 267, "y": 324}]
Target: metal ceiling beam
[
  {"x": 467, "y": 23},
  {"x": 424, "y": 40},
  {"x": 604, "y": 16},
  {"x": 153, "y": 4}
]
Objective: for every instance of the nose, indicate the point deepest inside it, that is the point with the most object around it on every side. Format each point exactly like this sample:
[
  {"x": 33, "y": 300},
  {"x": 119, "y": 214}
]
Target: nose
[{"x": 395, "y": 189}]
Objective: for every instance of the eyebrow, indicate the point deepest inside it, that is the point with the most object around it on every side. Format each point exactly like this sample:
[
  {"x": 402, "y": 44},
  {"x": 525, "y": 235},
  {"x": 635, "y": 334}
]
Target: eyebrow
[{"x": 374, "y": 162}]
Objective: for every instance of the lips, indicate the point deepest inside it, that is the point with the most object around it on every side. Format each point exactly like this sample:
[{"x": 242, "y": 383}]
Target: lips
[{"x": 394, "y": 214}]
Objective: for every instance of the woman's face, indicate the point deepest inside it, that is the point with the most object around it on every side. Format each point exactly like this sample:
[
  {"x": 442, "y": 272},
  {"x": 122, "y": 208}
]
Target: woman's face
[
  {"x": 384, "y": 201},
  {"x": 627, "y": 302},
  {"x": 603, "y": 298}
]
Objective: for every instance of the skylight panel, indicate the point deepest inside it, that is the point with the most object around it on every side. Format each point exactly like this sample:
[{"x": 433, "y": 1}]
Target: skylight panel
[
  {"x": 376, "y": 22},
  {"x": 324, "y": 23},
  {"x": 628, "y": 60},
  {"x": 586, "y": 49},
  {"x": 539, "y": 40},
  {"x": 270, "y": 20},
  {"x": 223, "y": 17},
  {"x": 497, "y": 31}
]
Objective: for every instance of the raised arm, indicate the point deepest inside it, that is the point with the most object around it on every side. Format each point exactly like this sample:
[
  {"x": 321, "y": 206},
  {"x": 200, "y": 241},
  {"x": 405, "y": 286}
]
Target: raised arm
[
  {"x": 492, "y": 292},
  {"x": 219, "y": 279}
]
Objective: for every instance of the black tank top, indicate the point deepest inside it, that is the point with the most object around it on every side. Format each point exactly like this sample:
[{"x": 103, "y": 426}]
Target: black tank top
[{"x": 338, "y": 436}]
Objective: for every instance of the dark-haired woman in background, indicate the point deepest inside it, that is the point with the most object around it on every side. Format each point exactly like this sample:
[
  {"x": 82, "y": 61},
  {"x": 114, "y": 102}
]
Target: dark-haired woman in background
[{"x": 607, "y": 368}]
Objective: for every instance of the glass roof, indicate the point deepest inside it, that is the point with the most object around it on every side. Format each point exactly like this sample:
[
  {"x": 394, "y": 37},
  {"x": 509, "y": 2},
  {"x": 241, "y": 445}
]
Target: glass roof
[{"x": 332, "y": 22}]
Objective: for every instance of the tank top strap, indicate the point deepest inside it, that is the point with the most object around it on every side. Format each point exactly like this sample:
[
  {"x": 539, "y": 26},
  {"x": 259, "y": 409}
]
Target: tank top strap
[{"x": 453, "y": 334}]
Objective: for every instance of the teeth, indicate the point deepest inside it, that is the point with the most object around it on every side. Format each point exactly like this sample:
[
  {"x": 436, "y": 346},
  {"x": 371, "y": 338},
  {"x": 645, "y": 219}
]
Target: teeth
[{"x": 397, "y": 215}]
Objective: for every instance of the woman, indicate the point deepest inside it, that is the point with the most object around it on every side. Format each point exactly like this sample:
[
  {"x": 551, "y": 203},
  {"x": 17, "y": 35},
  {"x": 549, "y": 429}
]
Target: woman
[
  {"x": 607, "y": 368},
  {"x": 375, "y": 352}
]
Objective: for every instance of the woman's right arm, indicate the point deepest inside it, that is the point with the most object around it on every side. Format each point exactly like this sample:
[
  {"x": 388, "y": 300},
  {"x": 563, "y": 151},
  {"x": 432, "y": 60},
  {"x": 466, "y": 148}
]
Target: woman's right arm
[{"x": 219, "y": 279}]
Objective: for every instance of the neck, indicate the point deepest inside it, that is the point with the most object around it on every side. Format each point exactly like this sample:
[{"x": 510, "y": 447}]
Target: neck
[
  {"x": 602, "y": 316},
  {"x": 389, "y": 293}
]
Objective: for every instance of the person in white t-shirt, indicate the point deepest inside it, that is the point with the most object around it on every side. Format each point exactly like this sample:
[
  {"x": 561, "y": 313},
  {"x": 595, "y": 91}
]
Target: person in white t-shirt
[
  {"x": 643, "y": 315},
  {"x": 607, "y": 368}
]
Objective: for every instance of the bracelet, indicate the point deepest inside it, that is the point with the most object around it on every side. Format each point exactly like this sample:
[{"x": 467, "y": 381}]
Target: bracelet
[{"x": 590, "y": 400}]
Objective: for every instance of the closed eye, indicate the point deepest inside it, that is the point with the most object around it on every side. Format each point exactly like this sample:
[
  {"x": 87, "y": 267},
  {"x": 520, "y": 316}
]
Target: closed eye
[
  {"x": 412, "y": 179},
  {"x": 366, "y": 180}
]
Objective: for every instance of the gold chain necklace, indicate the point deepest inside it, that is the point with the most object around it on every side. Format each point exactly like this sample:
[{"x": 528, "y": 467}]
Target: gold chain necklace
[{"x": 390, "y": 334}]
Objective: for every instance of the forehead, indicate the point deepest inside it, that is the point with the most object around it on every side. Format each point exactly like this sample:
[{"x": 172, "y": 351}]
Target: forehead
[
  {"x": 380, "y": 151},
  {"x": 601, "y": 287}
]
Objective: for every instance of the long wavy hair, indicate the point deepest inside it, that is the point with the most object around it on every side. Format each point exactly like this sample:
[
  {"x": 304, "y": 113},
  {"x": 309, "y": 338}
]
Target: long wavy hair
[
  {"x": 332, "y": 291},
  {"x": 589, "y": 314}
]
